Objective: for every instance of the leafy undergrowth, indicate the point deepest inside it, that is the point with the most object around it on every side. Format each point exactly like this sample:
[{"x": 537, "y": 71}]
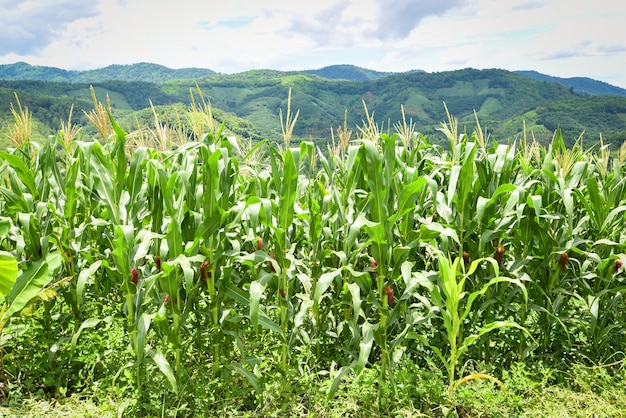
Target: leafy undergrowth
[{"x": 528, "y": 391}]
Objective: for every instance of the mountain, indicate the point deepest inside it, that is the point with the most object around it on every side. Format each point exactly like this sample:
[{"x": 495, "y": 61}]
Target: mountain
[
  {"x": 581, "y": 85},
  {"x": 152, "y": 73},
  {"x": 495, "y": 95},
  {"x": 155, "y": 73},
  {"x": 347, "y": 72},
  {"x": 508, "y": 105}
]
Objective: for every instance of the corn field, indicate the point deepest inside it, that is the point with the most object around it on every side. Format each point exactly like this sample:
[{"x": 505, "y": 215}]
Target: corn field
[{"x": 215, "y": 255}]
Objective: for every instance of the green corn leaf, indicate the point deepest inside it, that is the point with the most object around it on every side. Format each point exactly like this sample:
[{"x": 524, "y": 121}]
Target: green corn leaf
[
  {"x": 23, "y": 172},
  {"x": 250, "y": 377},
  {"x": 26, "y": 287},
  {"x": 268, "y": 324},
  {"x": 164, "y": 366},
  {"x": 256, "y": 292},
  {"x": 122, "y": 246},
  {"x": 14, "y": 201},
  {"x": 135, "y": 175},
  {"x": 119, "y": 153},
  {"x": 337, "y": 380},
  {"x": 104, "y": 182},
  {"x": 143, "y": 326},
  {"x": 71, "y": 187},
  {"x": 88, "y": 323},
  {"x": 471, "y": 339},
  {"x": 237, "y": 294},
  {"x": 483, "y": 290},
  {"x": 355, "y": 291},
  {"x": 606, "y": 224},
  {"x": 372, "y": 165},
  {"x": 452, "y": 185},
  {"x": 355, "y": 229},
  {"x": 84, "y": 277},
  {"x": 431, "y": 231},
  {"x": 407, "y": 198},
  {"x": 184, "y": 263},
  {"x": 365, "y": 346},
  {"x": 289, "y": 185},
  {"x": 8, "y": 272},
  {"x": 322, "y": 284}
]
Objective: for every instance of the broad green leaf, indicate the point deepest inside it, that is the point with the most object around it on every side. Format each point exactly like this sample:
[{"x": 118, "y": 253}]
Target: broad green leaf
[
  {"x": 15, "y": 201},
  {"x": 27, "y": 286},
  {"x": 164, "y": 366},
  {"x": 337, "y": 380},
  {"x": 256, "y": 292},
  {"x": 377, "y": 185},
  {"x": 471, "y": 339},
  {"x": 71, "y": 186},
  {"x": 483, "y": 290},
  {"x": 135, "y": 175},
  {"x": 365, "y": 346},
  {"x": 237, "y": 294},
  {"x": 323, "y": 283},
  {"x": 434, "y": 230},
  {"x": 23, "y": 171},
  {"x": 8, "y": 272},
  {"x": 267, "y": 323},
  {"x": 250, "y": 377},
  {"x": 355, "y": 291},
  {"x": 88, "y": 323},
  {"x": 143, "y": 326},
  {"x": 355, "y": 229},
  {"x": 104, "y": 181},
  {"x": 122, "y": 246},
  {"x": 84, "y": 276}
]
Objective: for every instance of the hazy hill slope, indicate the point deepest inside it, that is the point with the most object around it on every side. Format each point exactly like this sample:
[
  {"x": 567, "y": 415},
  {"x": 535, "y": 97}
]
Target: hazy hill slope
[
  {"x": 582, "y": 85},
  {"x": 494, "y": 94},
  {"x": 347, "y": 72},
  {"x": 504, "y": 102},
  {"x": 152, "y": 73}
]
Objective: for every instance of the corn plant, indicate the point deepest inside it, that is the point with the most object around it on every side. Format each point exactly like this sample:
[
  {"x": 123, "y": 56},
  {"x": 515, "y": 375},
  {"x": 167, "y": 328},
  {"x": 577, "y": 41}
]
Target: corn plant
[
  {"x": 249, "y": 259},
  {"x": 448, "y": 293}
]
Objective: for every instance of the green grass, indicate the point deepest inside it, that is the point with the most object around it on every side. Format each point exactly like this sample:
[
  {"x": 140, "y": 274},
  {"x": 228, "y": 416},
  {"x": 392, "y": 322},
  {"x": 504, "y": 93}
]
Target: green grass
[{"x": 537, "y": 392}]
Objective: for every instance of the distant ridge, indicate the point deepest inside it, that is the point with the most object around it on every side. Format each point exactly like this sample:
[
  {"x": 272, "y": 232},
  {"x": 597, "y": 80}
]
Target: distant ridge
[
  {"x": 348, "y": 72},
  {"x": 153, "y": 73},
  {"x": 580, "y": 85},
  {"x": 508, "y": 104},
  {"x": 156, "y": 73}
]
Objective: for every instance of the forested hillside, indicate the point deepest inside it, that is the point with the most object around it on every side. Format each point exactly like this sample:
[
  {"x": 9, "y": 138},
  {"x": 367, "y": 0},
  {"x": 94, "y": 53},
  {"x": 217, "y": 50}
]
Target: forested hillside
[
  {"x": 153, "y": 73},
  {"x": 507, "y": 105}
]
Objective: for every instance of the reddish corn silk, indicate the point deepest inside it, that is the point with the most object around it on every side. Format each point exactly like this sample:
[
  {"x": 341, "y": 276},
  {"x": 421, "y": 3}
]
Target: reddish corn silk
[
  {"x": 563, "y": 261},
  {"x": 282, "y": 293},
  {"x": 466, "y": 257},
  {"x": 617, "y": 265},
  {"x": 499, "y": 255},
  {"x": 374, "y": 264},
  {"x": 167, "y": 299},
  {"x": 157, "y": 261},
  {"x": 269, "y": 263},
  {"x": 134, "y": 276},
  {"x": 259, "y": 244},
  {"x": 204, "y": 274},
  {"x": 388, "y": 290}
]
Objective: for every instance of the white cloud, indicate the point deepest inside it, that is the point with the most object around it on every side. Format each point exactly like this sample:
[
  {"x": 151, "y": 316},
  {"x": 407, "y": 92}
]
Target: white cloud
[
  {"x": 27, "y": 26},
  {"x": 563, "y": 37}
]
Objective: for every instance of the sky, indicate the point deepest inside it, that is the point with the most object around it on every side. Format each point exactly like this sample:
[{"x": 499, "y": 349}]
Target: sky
[{"x": 563, "y": 38}]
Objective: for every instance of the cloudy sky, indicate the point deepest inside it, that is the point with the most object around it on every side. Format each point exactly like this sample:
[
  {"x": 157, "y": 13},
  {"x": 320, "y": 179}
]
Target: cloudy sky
[{"x": 563, "y": 38}]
